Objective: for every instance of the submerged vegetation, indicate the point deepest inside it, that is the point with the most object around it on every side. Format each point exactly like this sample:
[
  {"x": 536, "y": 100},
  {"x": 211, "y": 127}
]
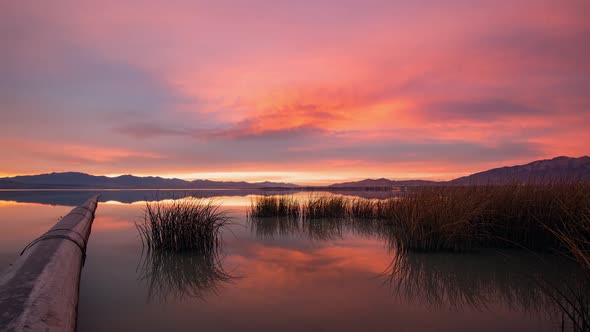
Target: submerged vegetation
[{"x": 182, "y": 225}]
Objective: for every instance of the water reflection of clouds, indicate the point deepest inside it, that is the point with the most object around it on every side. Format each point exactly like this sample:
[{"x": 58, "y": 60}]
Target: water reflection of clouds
[
  {"x": 108, "y": 223},
  {"x": 26, "y": 221},
  {"x": 10, "y": 203},
  {"x": 278, "y": 266}
]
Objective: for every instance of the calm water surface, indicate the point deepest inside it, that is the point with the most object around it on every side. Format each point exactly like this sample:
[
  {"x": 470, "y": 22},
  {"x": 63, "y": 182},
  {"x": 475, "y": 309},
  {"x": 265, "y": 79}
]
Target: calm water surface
[{"x": 279, "y": 276}]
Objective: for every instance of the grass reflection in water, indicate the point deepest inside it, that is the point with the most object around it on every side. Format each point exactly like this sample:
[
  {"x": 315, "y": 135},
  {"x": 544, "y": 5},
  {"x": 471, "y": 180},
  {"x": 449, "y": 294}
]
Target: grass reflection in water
[
  {"x": 181, "y": 275},
  {"x": 527, "y": 282}
]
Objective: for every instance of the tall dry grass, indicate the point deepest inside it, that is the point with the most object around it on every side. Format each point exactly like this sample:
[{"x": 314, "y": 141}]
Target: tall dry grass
[
  {"x": 459, "y": 218},
  {"x": 325, "y": 207},
  {"x": 183, "y": 224},
  {"x": 462, "y": 218},
  {"x": 275, "y": 206}
]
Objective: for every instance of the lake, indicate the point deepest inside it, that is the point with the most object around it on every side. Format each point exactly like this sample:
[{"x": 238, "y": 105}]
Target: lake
[{"x": 276, "y": 275}]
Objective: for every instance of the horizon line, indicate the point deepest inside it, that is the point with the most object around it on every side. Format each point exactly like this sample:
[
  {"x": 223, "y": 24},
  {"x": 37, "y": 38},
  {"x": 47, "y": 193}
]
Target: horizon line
[{"x": 316, "y": 182}]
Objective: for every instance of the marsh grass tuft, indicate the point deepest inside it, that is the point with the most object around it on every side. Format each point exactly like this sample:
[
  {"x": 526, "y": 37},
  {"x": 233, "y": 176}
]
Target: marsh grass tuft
[
  {"x": 325, "y": 207},
  {"x": 275, "y": 206},
  {"x": 182, "y": 225}
]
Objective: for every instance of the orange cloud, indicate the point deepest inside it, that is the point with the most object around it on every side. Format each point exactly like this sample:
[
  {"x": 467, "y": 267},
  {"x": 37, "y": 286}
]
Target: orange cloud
[{"x": 65, "y": 156}]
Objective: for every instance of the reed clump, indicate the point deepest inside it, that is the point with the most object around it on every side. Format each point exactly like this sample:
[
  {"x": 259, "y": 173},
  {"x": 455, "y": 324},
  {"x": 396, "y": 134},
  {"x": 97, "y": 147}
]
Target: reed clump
[
  {"x": 183, "y": 224},
  {"x": 471, "y": 217},
  {"x": 325, "y": 207},
  {"x": 574, "y": 235},
  {"x": 544, "y": 216},
  {"x": 362, "y": 208},
  {"x": 275, "y": 206}
]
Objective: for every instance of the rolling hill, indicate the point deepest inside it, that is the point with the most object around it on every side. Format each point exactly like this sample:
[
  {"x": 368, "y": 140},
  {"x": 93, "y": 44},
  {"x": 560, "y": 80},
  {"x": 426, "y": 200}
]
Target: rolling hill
[{"x": 559, "y": 168}]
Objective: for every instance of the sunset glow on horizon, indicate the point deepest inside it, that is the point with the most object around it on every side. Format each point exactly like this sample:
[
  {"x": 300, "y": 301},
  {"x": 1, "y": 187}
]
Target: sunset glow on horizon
[{"x": 304, "y": 92}]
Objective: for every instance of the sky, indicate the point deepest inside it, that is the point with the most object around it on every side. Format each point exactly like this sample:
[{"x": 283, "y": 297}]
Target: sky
[{"x": 310, "y": 92}]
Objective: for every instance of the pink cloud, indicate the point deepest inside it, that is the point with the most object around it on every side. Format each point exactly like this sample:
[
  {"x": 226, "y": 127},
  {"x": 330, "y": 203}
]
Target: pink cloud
[{"x": 188, "y": 85}]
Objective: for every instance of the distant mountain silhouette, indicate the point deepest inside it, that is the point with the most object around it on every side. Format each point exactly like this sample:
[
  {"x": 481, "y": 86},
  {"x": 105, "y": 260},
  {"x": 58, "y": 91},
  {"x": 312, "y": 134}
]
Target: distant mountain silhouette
[
  {"x": 208, "y": 184},
  {"x": 75, "y": 180},
  {"x": 573, "y": 169},
  {"x": 377, "y": 183},
  {"x": 559, "y": 168}
]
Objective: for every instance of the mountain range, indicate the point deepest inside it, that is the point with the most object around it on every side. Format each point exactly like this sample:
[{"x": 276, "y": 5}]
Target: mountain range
[
  {"x": 75, "y": 180},
  {"x": 377, "y": 183},
  {"x": 559, "y": 168},
  {"x": 540, "y": 170}
]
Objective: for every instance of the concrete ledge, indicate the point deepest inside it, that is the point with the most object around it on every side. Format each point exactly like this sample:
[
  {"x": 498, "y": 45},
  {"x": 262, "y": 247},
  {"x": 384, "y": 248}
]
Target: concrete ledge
[{"x": 39, "y": 292}]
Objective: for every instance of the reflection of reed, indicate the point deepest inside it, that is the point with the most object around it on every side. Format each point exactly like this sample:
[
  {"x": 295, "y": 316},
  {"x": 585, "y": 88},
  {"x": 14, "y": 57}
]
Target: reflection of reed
[
  {"x": 181, "y": 275},
  {"x": 320, "y": 229},
  {"x": 547, "y": 285},
  {"x": 324, "y": 229},
  {"x": 313, "y": 229},
  {"x": 572, "y": 299},
  {"x": 373, "y": 229},
  {"x": 268, "y": 228}
]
